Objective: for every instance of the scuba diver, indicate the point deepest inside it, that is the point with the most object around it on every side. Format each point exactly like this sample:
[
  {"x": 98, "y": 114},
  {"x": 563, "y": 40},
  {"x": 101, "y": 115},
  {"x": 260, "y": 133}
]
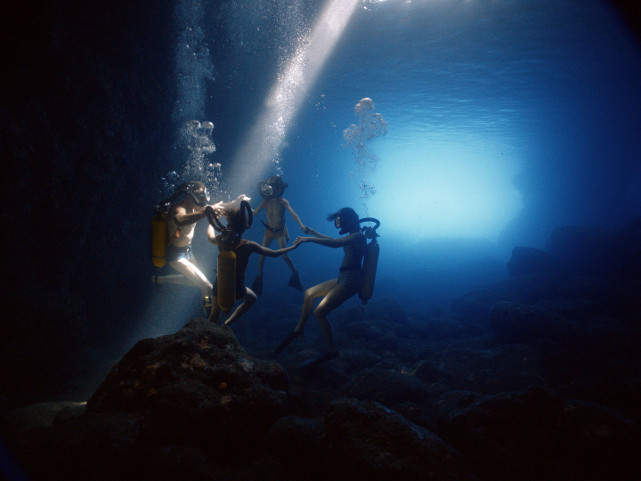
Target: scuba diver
[
  {"x": 350, "y": 278},
  {"x": 171, "y": 243},
  {"x": 234, "y": 257},
  {"x": 275, "y": 205}
]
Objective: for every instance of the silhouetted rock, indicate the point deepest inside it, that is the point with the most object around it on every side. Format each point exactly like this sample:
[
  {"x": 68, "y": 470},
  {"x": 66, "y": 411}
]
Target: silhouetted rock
[
  {"x": 490, "y": 371},
  {"x": 297, "y": 442},
  {"x": 528, "y": 260},
  {"x": 536, "y": 434},
  {"x": 196, "y": 387},
  {"x": 427, "y": 371},
  {"x": 387, "y": 386},
  {"x": 519, "y": 323},
  {"x": 364, "y": 440}
]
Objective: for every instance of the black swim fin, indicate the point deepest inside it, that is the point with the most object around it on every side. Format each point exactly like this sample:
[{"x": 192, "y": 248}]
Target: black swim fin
[
  {"x": 318, "y": 360},
  {"x": 294, "y": 281},
  {"x": 290, "y": 337}
]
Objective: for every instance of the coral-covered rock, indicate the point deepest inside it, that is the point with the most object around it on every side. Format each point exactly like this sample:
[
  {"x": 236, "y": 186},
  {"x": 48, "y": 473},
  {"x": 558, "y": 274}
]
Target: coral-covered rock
[{"x": 196, "y": 387}]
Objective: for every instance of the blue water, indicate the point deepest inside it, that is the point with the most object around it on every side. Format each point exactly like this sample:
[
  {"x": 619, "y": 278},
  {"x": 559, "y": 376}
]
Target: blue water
[{"x": 505, "y": 119}]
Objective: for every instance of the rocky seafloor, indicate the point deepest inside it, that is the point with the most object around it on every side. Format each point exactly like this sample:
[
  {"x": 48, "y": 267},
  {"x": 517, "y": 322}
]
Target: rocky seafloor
[{"x": 534, "y": 378}]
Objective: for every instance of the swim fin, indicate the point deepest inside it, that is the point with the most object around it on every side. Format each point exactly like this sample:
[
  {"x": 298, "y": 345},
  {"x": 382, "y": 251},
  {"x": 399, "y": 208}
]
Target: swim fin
[
  {"x": 257, "y": 286},
  {"x": 318, "y": 360},
  {"x": 294, "y": 281},
  {"x": 290, "y": 337}
]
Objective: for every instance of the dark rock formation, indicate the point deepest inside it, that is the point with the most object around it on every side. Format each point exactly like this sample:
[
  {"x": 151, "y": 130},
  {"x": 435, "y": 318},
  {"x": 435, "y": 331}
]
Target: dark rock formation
[
  {"x": 536, "y": 434},
  {"x": 528, "y": 260},
  {"x": 511, "y": 322},
  {"x": 389, "y": 387},
  {"x": 196, "y": 387},
  {"x": 371, "y": 442}
]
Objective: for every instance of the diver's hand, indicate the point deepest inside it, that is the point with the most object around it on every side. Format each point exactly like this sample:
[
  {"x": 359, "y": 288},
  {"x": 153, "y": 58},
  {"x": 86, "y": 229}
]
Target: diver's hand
[{"x": 216, "y": 209}]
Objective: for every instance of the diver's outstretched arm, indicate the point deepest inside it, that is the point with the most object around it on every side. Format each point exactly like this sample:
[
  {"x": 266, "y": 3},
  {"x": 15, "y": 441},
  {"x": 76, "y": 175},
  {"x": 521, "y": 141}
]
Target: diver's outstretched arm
[
  {"x": 315, "y": 233},
  {"x": 333, "y": 242},
  {"x": 266, "y": 251},
  {"x": 294, "y": 215},
  {"x": 181, "y": 217},
  {"x": 260, "y": 207}
]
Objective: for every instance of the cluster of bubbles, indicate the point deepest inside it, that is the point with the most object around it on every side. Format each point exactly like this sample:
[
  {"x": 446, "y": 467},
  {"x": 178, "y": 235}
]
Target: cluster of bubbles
[
  {"x": 194, "y": 68},
  {"x": 196, "y": 137},
  {"x": 357, "y": 137},
  {"x": 367, "y": 189}
]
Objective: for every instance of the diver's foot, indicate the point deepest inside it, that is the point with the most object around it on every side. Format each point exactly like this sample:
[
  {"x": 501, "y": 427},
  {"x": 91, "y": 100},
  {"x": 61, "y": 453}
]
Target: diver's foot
[
  {"x": 290, "y": 337},
  {"x": 207, "y": 304},
  {"x": 294, "y": 281},
  {"x": 257, "y": 286},
  {"x": 320, "y": 359}
]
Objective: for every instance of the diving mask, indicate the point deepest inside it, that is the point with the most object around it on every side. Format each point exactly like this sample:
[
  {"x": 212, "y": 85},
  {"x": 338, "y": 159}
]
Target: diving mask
[{"x": 201, "y": 197}]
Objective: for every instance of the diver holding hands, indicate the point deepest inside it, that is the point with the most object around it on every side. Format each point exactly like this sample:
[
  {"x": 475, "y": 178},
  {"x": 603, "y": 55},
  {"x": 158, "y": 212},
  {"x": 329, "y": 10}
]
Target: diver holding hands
[
  {"x": 334, "y": 291},
  {"x": 180, "y": 221},
  {"x": 233, "y": 258},
  {"x": 275, "y": 206}
]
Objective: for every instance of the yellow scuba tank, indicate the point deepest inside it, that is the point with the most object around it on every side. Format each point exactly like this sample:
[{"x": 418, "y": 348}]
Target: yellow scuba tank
[
  {"x": 370, "y": 261},
  {"x": 226, "y": 280},
  {"x": 159, "y": 237}
]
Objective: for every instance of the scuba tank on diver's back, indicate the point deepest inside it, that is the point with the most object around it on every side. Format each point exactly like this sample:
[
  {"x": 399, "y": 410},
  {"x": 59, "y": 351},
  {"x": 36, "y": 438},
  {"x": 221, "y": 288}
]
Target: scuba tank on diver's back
[
  {"x": 370, "y": 260},
  {"x": 230, "y": 237},
  {"x": 226, "y": 280}
]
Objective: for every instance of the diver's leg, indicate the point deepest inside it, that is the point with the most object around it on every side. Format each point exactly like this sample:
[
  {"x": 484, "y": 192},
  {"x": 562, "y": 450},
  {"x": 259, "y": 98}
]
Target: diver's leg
[
  {"x": 267, "y": 240},
  {"x": 294, "y": 280},
  {"x": 214, "y": 315},
  {"x": 193, "y": 275},
  {"x": 257, "y": 285},
  {"x": 331, "y": 301},
  {"x": 312, "y": 293},
  {"x": 282, "y": 243},
  {"x": 248, "y": 301}
]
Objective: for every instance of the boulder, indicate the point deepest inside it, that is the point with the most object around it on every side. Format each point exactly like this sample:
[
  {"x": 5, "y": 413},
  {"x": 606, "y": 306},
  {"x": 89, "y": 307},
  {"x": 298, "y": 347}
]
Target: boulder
[
  {"x": 588, "y": 251},
  {"x": 386, "y": 386},
  {"x": 528, "y": 260},
  {"x": 504, "y": 368},
  {"x": 364, "y": 440},
  {"x": 518, "y": 323},
  {"x": 196, "y": 387},
  {"x": 535, "y": 434}
]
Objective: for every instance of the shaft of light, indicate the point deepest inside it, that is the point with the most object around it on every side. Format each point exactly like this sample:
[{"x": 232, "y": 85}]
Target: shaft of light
[{"x": 264, "y": 141}]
